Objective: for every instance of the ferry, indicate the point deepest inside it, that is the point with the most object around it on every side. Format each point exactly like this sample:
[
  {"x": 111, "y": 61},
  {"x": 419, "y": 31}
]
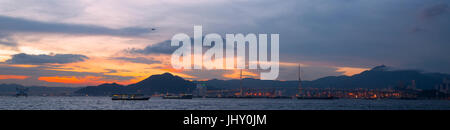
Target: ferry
[{"x": 129, "y": 97}]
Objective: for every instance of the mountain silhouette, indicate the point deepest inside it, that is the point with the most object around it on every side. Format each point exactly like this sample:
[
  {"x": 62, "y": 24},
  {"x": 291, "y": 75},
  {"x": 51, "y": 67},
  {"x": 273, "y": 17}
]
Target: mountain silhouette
[
  {"x": 161, "y": 83},
  {"x": 10, "y": 89},
  {"x": 377, "y": 77},
  {"x": 381, "y": 77},
  {"x": 103, "y": 89}
]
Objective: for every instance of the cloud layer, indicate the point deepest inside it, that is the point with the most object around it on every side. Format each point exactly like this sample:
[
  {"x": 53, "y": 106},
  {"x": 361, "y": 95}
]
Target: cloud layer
[
  {"x": 23, "y": 58},
  {"x": 435, "y": 10},
  {"x": 20, "y": 25},
  {"x": 329, "y": 37},
  {"x": 158, "y": 48}
]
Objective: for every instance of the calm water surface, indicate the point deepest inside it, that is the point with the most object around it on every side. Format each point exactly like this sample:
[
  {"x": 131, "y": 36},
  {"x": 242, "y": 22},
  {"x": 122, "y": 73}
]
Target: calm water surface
[{"x": 105, "y": 103}]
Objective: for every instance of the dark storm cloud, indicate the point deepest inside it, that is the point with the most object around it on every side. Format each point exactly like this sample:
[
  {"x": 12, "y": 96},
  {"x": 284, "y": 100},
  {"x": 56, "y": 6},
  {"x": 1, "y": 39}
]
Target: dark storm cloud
[
  {"x": 23, "y": 58},
  {"x": 13, "y": 25},
  {"x": 428, "y": 14},
  {"x": 348, "y": 34},
  {"x": 434, "y": 11},
  {"x": 165, "y": 47},
  {"x": 158, "y": 48},
  {"x": 137, "y": 60},
  {"x": 6, "y": 40},
  {"x": 111, "y": 71},
  {"x": 417, "y": 29}
]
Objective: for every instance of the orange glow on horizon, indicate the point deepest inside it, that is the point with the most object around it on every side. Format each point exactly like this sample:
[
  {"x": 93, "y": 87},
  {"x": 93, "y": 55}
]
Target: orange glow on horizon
[
  {"x": 122, "y": 68},
  {"x": 14, "y": 77},
  {"x": 72, "y": 79},
  {"x": 87, "y": 80},
  {"x": 23, "y": 65},
  {"x": 349, "y": 71},
  {"x": 236, "y": 74},
  {"x": 139, "y": 71}
]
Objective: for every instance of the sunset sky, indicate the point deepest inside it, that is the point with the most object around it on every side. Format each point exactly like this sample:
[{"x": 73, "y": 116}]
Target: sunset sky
[{"x": 89, "y": 42}]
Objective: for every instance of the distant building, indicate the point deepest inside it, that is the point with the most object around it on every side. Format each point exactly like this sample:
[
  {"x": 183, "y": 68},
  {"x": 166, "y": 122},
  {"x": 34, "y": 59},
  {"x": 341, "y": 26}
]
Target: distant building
[
  {"x": 200, "y": 91},
  {"x": 444, "y": 87},
  {"x": 413, "y": 86}
]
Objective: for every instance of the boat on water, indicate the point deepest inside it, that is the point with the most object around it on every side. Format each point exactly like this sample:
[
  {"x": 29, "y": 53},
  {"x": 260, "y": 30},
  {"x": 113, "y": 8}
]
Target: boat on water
[
  {"x": 281, "y": 97},
  {"x": 409, "y": 98},
  {"x": 304, "y": 97},
  {"x": 21, "y": 95},
  {"x": 21, "y": 92},
  {"x": 129, "y": 97},
  {"x": 181, "y": 96}
]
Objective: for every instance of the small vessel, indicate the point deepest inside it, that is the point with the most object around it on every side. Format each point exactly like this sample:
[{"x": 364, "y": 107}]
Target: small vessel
[
  {"x": 21, "y": 92},
  {"x": 281, "y": 97},
  {"x": 129, "y": 97},
  {"x": 408, "y": 98},
  {"x": 330, "y": 97},
  {"x": 181, "y": 96}
]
